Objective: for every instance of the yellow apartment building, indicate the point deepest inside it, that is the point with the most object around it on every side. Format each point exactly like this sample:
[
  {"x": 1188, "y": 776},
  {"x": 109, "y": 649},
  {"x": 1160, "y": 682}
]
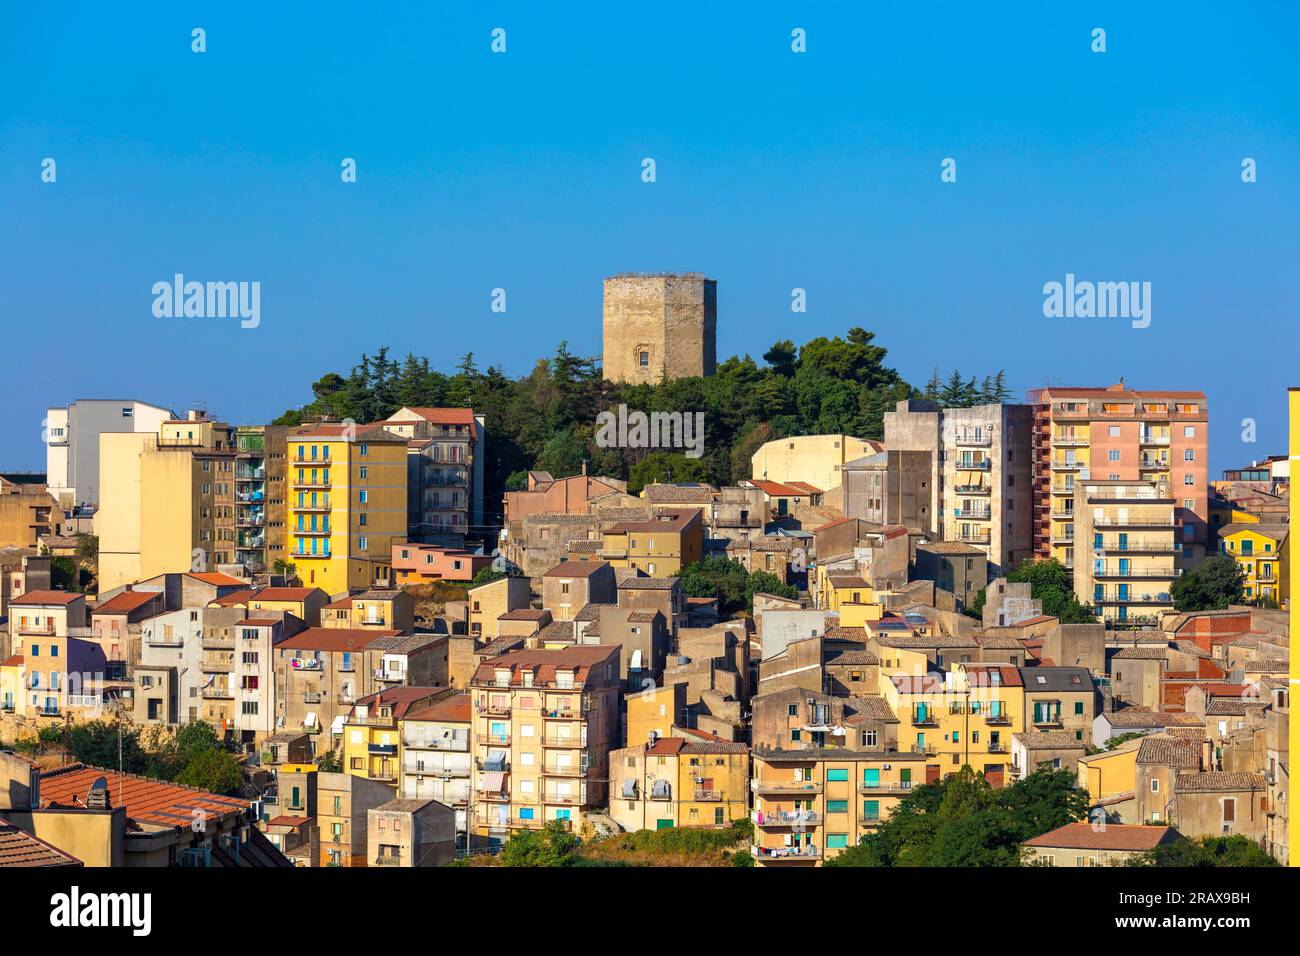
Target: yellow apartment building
[
  {"x": 372, "y": 742},
  {"x": 167, "y": 503},
  {"x": 346, "y": 504},
  {"x": 1110, "y": 773},
  {"x": 849, "y": 596},
  {"x": 1261, "y": 552},
  {"x": 653, "y": 712},
  {"x": 305, "y": 604},
  {"x": 1128, "y": 551},
  {"x": 544, "y": 724},
  {"x": 387, "y": 608},
  {"x": 676, "y": 782},
  {"x": 661, "y": 546},
  {"x": 965, "y": 716},
  {"x": 811, "y": 805}
]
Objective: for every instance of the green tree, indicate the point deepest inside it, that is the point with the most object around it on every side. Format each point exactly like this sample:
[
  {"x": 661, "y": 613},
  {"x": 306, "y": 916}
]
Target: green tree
[
  {"x": 1052, "y": 584},
  {"x": 662, "y": 467},
  {"x": 96, "y": 744},
  {"x": 553, "y": 845},
  {"x": 1213, "y": 585},
  {"x": 331, "y": 761},
  {"x": 214, "y": 770},
  {"x": 1207, "y": 851}
]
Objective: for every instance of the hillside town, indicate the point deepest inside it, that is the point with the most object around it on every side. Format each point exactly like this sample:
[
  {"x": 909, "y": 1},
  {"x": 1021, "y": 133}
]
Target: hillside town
[{"x": 327, "y": 641}]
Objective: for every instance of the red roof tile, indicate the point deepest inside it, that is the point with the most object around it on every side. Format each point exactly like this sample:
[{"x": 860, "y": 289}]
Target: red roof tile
[
  {"x": 348, "y": 639},
  {"x": 128, "y": 601},
  {"x": 147, "y": 802},
  {"x": 45, "y": 597}
]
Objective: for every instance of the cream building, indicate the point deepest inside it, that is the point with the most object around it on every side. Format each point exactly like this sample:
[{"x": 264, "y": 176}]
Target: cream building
[{"x": 813, "y": 459}]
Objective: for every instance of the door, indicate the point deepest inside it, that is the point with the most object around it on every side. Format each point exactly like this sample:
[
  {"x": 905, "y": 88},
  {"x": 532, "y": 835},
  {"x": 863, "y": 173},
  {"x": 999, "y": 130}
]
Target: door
[{"x": 932, "y": 773}]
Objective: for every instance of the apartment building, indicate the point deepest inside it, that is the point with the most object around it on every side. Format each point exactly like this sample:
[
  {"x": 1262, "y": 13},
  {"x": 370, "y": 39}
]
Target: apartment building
[
  {"x": 62, "y": 677},
  {"x": 1061, "y": 699},
  {"x": 445, "y": 457},
  {"x": 426, "y": 563},
  {"x": 963, "y": 717},
  {"x": 1118, "y": 434},
  {"x": 72, "y": 434},
  {"x": 544, "y": 724},
  {"x": 810, "y": 805},
  {"x": 343, "y": 805},
  {"x": 488, "y": 602},
  {"x": 28, "y": 512},
  {"x": 44, "y": 614},
  {"x": 889, "y": 488},
  {"x": 571, "y": 585},
  {"x": 410, "y": 833},
  {"x": 1260, "y": 550},
  {"x": 261, "y": 491},
  {"x": 372, "y": 740},
  {"x": 569, "y": 496},
  {"x": 436, "y": 762},
  {"x": 374, "y": 608},
  {"x": 676, "y": 782},
  {"x": 319, "y": 674},
  {"x": 347, "y": 504},
  {"x": 661, "y": 546},
  {"x": 168, "y": 501},
  {"x": 1129, "y": 553},
  {"x": 981, "y": 490}
]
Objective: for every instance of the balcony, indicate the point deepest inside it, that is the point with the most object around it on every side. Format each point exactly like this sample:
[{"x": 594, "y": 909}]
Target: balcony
[
  {"x": 571, "y": 770},
  {"x": 998, "y": 720},
  {"x": 323, "y": 505},
  {"x": 492, "y": 766},
  {"x": 496, "y": 710},
  {"x": 786, "y": 818},
  {"x": 708, "y": 796},
  {"x": 1063, "y": 539},
  {"x": 564, "y": 743},
  {"x": 306, "y": 484},
  {"x": 563, "y": 799},
  {"x": 311, "y": 697},
  {"x": 974, "y": 537},
  {"x": 1070, "y": 441},
  {"x": 1153, "y": 439},
  {"x": 997, "y": 747},
  {"x": 966, "y": 464},
  {"x": 494, "y": 796},
  {"x": 1068, "y": 466},
  {"x": 494, "y": 740},
  {"x": 783, "y": 854},
  {"x": 885, "y": 786},
  {"x": 927, "y": 719},
  {"x": 972, "y": 489},
  {"x": 870, "y": 821},
  {"x": 218, "y": 693},
  {"x": 568, "y": 713},
  {"x": 801, "y": 787},
  {"x": 612, "y": 553},
  {"x": 976, "y": 514},
  {"x": 217, "y": 667},
  {"x": 389, "y": 860},
  {"x": 217, "y": 643}
]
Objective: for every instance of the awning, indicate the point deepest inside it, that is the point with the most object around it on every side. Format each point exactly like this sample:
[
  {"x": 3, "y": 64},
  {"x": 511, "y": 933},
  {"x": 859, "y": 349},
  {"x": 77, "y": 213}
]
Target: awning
[
  {"x": 494, "y": 782},
  {"x": 337, "y": 726},
  {"x": 635, "y": 662}
]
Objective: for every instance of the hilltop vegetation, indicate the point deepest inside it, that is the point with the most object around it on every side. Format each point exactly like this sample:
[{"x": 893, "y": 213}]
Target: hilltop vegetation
[{"x": 547, "y": 419}]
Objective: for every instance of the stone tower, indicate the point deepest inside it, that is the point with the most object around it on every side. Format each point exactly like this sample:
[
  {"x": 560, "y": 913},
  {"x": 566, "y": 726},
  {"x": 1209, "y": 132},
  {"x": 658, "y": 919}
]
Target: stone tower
[{"x": 661, "y": 324}]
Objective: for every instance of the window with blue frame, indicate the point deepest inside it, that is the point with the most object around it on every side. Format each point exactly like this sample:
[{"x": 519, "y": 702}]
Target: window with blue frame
[
  {"x": 525, "y": 813},
  {"x": 871, "y": 777},
  {"x": 871, "y": 809},
  {"x": 837, "y": 806},
  {"x": 838, "y": 775}
]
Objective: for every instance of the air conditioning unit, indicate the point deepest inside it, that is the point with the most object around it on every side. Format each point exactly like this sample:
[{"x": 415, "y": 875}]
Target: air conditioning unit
[{"x": 886, "y": 766}]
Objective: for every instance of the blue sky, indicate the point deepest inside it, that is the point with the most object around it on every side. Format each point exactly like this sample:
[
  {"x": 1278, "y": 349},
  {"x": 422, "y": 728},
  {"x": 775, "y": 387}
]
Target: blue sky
[{"x": 775, "y": 170}]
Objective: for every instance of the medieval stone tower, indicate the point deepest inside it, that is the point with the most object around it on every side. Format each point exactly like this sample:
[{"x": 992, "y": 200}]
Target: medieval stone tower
[{"x": 661, "y": 324}]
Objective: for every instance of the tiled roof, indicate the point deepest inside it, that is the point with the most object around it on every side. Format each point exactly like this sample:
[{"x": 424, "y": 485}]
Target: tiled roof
[
  {"x": 1111, "y": 836},
  {"x": 217, "y": 579},
  {"x": 147, "y": 802},
  {"x": 454, "y": 709},
  {"x": 648, "y": 584},
  {"x": 18, "y": 848},
  {"x": 1140, "y": 717},
  {"x": 44, "y": 597},
  {"x": 349, "y": 639},
  {"x": 1171, "y": 752},
  {"x": 776, "y": 489},
  {"x": 999, "y": 642},
  {"x": 1142, "y": 654},
  {"x": 869, "y": 707},
  {"x": 543, "y": 664},
  {"x": 557, "y": 631},
  {"x": 1056, "y": 679},
  {"x": 525, "y": 614},
  {"x": 575, "y": 569},
  {"x": 678, "y": 494},
  {"x": 128, "y": 601},
  {"x": 1218, "y": 781},
  {"x": 401, "y": 699}
]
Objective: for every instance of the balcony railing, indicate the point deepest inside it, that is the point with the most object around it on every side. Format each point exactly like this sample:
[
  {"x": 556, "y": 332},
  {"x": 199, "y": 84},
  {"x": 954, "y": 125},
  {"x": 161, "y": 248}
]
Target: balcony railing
[
  {"x": 786, "y": 818},
  {"x": 966, "y": 464},
  {"x": 780, "y": 853},
  {"x": 569, "y": 770},
  {"x": 809, "y": 787},
  {"x": 977, "y": 439},
  {"x": 708, "y": 796},
  {"x": 885, "y": 786},
  {"x": 978, "y": 514}
]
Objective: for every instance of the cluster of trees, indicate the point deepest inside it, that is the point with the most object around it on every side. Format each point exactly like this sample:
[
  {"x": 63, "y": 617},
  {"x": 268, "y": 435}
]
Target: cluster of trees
[
  {"x": 1212, "y": 585},
  {"x": 728, "y": 581},
  {"x": 191, "y": 755},
  {"x": 965, "y": 821},
  {"x": 1050, "y": 583},
  {"x": 958, "y": 392},
  {"x": 1207, "y": 851},
  {"x": 547, "y": 419}
]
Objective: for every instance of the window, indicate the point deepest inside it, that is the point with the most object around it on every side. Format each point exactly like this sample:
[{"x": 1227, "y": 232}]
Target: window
[
  {"x": 1155, "y": 786},
  {"x": 1189, "y": 455},
  {"x": 1189, "y": 431},
  {"x": 837, "y": 806},
  {"x": 837, "y": 775},
  {"x": 1114, "y": 431},
  {"x": 1189, "y": 479},
  {"x": 365, "y": 449},
  {"x": 363, "y": 496},
  {"x": 1112, "y": 455},
  {"x": 643, "y": 359},
  {"x": 837, "y": 841}
]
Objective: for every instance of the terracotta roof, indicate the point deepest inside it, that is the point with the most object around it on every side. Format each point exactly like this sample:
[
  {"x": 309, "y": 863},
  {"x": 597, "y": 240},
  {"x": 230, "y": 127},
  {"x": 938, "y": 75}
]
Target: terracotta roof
[
  {"x": 870, "y": 707},
  {"x": 14, "y": 661},
  {"x": 1140, "y": 717},
  {"x": 333, "y": 639},
  {"x": 1112, "y": 836},
  {"x": 678, "y": 494},
  {"x": 286, "y": 820},
  {"x": 543, "y": 664},
  {"x": 999, "y": 642},
  {"x": 259, "y": 622},
  {"x": 525, "y": 614},
  {"x": 575, "y": 569},
  {"x": 1143, "y": 654},
  {"x": 443, "y": 416},
  {"x": 455, "y": 709},
  {"x": 45, "y": 597},
  {"x": 662, "y": 522},
  {"x": 235, "y": 597},
  {"x": 19, "y": 848},
  {"x": 147, "y": 802},
  {"x": 284, "y": 594},
  {"x": 778, "y": 490},
  {"x": 218, "y": 579},
  {"x": 128, "y": 601},
  {"x": 401, "y": 699},
  {"x": 1218, "y": 781}
]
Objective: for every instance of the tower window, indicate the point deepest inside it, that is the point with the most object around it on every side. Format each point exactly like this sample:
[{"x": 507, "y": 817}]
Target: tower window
[{"x": 643, "y": 358}]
